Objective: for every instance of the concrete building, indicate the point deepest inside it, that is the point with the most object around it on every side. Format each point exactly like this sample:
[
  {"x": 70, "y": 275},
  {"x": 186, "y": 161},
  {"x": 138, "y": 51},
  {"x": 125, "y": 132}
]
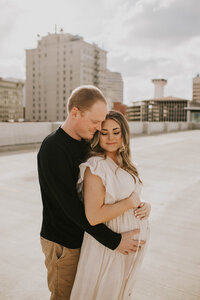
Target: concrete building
[
  {"x": 166, "y": 109},
  {"x": 196, "y": 90},
  {"x": 60, "y": 63},
  {"x": 193, "y": 109},
  {"x": 160, "y": 108},
  {"x": 114, "y": 88},
  {"x": 11, "y": 100}
]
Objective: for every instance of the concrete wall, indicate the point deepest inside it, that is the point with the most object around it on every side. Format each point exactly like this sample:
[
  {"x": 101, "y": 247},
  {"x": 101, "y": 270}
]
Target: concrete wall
[
  {"x": 23, "y": 133},
  {"x": 172, "y": 126},
  {"x": 34, "y": 132},
  {"x": 138, "y": 128}
]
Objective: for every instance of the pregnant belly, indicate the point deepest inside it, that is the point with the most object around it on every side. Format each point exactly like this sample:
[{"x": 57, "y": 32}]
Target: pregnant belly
[{"x": 127, "y": 222}]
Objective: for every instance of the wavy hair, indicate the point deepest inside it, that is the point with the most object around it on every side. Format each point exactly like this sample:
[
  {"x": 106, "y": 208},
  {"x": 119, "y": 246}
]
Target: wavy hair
[{"x": 123, "y": 153}]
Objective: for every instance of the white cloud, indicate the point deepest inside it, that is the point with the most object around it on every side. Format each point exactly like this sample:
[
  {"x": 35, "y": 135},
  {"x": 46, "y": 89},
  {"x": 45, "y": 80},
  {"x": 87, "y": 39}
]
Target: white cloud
[{"x": 144, "y": 38}]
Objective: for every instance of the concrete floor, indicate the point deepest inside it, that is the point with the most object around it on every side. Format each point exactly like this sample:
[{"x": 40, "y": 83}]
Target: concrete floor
[{"x": 170, "y": 167}]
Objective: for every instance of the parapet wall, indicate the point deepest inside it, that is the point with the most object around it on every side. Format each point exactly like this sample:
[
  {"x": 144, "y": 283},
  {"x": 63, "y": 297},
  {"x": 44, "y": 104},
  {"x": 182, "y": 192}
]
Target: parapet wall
[{"x": 34, "y": 132}]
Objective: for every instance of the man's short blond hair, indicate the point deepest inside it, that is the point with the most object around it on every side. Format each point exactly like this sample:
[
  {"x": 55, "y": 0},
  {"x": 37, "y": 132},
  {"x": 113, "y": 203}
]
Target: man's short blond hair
[{"x": 84, "y": 97}]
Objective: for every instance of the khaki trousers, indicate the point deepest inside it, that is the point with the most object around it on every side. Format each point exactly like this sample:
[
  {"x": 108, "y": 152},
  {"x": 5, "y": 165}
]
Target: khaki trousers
[{"x": 61, "y": 264}]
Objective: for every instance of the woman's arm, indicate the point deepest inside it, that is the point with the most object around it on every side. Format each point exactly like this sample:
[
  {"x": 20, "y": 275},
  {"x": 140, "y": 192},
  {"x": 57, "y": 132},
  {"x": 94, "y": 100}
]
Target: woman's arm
[{"x": 94, "y": 194}]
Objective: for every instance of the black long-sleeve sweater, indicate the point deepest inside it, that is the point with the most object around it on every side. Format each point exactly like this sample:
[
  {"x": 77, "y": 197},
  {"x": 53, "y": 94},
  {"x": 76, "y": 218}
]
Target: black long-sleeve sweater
[{"x": 64, "y": 220}]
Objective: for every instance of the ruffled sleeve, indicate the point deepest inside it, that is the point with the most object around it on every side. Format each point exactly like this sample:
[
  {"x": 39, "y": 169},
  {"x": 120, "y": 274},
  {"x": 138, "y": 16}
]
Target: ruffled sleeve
[
  {"x": 96, "y": 165},
  {"x": 99, "y": 167}
]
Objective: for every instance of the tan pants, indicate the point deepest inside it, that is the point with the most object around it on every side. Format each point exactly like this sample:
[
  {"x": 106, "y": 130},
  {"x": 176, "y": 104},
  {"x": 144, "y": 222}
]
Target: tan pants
[{"x": 61, "y": 266}]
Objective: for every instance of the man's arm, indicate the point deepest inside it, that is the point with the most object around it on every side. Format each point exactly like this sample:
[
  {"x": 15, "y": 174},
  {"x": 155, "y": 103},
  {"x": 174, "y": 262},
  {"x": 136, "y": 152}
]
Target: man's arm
[{"x": 56, "y": 168}]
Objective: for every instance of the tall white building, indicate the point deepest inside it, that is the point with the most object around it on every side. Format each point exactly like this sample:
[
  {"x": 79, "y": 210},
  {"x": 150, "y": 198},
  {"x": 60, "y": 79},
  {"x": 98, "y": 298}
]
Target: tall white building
[
  {"x": 60, "y": 63},
  {"x": 11, "y": 99},
  {"x": 196, "y": 89},
  {"x": 193, "y": 109},
  {"x": 114, "y": 88}
]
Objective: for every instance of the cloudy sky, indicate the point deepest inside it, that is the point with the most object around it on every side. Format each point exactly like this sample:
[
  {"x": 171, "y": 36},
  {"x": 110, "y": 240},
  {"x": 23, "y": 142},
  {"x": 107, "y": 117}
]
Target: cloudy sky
[{"x": 145, "y": 39}]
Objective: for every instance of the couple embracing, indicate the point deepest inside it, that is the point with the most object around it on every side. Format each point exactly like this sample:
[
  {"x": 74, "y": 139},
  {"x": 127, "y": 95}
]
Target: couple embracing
[{"x": 95, "y": 226}]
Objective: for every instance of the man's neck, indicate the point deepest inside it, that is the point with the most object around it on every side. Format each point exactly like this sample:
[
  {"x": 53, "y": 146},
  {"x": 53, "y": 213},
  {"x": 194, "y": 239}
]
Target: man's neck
[{"x": 66, "y": 126}]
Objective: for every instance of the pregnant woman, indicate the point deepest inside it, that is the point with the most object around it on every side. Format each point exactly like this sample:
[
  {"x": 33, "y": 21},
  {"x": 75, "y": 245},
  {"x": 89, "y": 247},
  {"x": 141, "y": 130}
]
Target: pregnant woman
[{"x": 105, "y": 178}]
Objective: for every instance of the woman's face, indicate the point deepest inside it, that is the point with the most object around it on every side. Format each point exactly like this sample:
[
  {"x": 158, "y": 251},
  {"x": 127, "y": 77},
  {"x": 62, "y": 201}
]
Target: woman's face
[{"x": 110, "y": 136}]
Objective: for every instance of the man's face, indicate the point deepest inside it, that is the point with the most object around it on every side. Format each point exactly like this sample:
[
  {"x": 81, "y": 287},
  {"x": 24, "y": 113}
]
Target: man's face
[{"x": 90, "y": 121}]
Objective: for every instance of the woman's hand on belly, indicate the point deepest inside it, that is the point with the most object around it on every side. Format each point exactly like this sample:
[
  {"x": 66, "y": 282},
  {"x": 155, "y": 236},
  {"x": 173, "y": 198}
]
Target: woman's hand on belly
[{"x": 143, "y": 211}]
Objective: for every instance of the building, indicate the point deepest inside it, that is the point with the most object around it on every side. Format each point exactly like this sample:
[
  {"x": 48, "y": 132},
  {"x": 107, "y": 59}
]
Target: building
[
  {"x": 120, "y": 107},
  {"x": 11, "y": 100},
  {"x": 160, "y": 108},
  {"x": 60, "y": 63},
  {"x": 193, "y": 109},
  {"x": 114, "y": 88},
  {"x": 196, "y": 90},
  {"x": 166, "y": 109},
  {"x": 159, "y": 87}
]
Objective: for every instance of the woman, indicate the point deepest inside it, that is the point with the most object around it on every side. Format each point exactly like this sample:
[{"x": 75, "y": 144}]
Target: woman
[{"x": 109, "y": 176}]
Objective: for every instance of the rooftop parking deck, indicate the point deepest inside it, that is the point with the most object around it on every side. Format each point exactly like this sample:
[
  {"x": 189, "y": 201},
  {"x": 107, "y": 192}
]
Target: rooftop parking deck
[{"x": 169, "y": 165}]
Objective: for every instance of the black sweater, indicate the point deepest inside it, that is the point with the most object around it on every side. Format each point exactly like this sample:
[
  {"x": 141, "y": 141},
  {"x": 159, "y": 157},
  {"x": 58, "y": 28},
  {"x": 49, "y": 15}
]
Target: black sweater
[{"x": 64, "y": 220}]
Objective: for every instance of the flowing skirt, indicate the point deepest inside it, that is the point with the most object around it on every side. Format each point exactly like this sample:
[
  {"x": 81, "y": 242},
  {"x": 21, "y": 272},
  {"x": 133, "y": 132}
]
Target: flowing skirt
[{"x": 104, "y": 274}]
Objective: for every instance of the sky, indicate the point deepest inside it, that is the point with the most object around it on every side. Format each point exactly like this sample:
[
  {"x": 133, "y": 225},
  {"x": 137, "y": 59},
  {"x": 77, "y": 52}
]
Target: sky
[{"x": 145, "y": 39}]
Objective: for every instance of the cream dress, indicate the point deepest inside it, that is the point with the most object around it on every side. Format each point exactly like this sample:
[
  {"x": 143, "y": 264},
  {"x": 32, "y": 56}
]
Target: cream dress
[{"x": 104, "y": 274}]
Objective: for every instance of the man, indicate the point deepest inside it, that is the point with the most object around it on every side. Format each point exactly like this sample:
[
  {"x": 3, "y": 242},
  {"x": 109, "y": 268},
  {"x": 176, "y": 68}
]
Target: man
[{"x": 64, "y": 220}]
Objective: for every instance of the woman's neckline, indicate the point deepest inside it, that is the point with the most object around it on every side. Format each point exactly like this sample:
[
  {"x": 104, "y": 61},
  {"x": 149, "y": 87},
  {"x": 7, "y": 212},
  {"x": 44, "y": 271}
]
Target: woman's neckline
[
  {"x": 112, "y": 161},
  {"x": 120, "y": 167}
]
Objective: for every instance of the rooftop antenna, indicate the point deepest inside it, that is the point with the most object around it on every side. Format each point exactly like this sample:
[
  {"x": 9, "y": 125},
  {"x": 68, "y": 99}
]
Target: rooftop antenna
[{"x": 55, "y": 28}]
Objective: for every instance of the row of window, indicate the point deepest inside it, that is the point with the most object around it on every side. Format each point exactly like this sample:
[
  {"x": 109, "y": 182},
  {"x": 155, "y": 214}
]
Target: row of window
[
  {"x": 45, "y": 118},
  {"x": 39, "y": 99}
]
